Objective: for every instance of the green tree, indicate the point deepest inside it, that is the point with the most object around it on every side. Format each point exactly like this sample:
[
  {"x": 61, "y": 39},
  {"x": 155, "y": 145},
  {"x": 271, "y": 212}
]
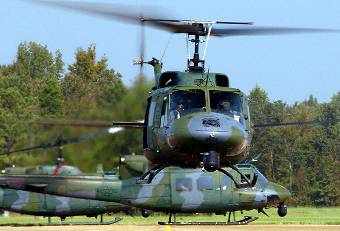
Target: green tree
[
  {"x": 51, "y": 99},
  {"x": 259, "y": 110},
  {"x": 29, "y": 89},
  {"x": 35, "y": 61},
  {"x": 91, "y": 87},
  {"x": 15, "y": 107}
]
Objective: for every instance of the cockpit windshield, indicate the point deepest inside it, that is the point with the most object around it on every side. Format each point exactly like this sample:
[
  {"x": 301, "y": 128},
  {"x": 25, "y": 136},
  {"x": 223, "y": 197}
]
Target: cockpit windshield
[
  {"x": 227, "y": 103},
  {"x": 261, "y": 178},
  {"x": 183, "y": 102}
]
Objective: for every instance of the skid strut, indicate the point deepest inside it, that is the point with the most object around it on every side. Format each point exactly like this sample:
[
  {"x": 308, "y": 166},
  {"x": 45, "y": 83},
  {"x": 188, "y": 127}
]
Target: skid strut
[{"x": 148, "y": 176}]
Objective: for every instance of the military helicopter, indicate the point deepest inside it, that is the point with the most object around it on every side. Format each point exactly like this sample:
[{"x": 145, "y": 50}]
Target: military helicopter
[
  {"x": 33, "y": 199},
  {"x": 194, "y": 118},
  {"x": 173, "y": 190}
]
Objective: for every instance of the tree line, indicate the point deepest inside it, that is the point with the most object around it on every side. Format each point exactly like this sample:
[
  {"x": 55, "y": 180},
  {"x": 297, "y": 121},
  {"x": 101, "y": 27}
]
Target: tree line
[{"x": 38, "y": 85}]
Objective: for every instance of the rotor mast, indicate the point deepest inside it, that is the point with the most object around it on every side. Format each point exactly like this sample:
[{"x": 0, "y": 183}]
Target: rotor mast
[{"x": 195, "y": 64}]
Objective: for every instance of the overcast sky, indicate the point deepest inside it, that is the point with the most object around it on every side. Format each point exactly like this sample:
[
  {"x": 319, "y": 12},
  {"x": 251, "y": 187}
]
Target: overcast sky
[{"x": 289, "y": 67}]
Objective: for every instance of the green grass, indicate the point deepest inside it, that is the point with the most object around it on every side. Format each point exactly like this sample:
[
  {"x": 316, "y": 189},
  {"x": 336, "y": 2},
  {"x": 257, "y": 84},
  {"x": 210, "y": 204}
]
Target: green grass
[{"x": 295, "y": 216}]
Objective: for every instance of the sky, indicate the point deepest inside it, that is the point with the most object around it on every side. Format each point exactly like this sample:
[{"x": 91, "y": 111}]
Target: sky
[{"x": 287, "y": 67}]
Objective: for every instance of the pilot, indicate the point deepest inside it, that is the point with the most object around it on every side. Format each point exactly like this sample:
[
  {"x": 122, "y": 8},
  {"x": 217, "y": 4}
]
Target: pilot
[
  {"x": 178, "y": 111},
  {"x": 224, "y": 106}
]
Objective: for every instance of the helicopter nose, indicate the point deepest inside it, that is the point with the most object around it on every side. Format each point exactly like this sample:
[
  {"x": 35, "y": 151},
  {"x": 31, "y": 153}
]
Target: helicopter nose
[
  {"x": 210, "y": 131},
  {"x": 283, "y": 193},
  {"x": 278, "y": 194},
  {"x": 216, "y": 130}
]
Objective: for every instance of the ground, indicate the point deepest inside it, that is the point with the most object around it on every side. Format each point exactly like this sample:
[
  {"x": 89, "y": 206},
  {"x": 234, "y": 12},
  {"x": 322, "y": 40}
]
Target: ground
[
  {"x": 311, "y": 219},
  {"x": 178, "y": 228}
]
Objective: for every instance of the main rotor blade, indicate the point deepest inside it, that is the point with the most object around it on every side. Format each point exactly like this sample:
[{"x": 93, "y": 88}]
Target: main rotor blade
[
  {"x": 60, "y": 142},
  {"x": 92, "y": 135},
  {"x": 28, "y": 149},
  {"x": 150, "y": 16},
  {"x": 252, "y": 31},
  {"x": 296, "y": 123},
  {"x": 89, "y": 123},
  {"x": 124, "y": 13}
]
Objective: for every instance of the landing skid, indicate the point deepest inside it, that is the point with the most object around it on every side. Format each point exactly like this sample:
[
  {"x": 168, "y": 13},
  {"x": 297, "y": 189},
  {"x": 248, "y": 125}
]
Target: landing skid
[
  {"x": 117, "y": 219},
  {"x": 244, "y": 221}
]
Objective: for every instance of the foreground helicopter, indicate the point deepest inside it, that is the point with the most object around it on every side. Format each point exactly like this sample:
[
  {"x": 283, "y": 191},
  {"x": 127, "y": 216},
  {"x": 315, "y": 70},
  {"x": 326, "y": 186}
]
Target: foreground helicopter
[
  {"x": 193, "y": 118},
  {"x": 173, "y": 190}
]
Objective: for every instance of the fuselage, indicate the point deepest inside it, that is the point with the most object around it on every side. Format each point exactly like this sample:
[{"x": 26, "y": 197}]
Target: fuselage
[{"x": 172, "y": 190}]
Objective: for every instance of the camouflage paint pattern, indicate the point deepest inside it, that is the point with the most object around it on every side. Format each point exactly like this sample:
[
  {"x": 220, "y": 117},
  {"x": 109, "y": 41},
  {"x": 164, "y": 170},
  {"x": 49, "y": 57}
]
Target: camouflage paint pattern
[
  {"x": 172, "y": 190},
  {"x": 40, "y": 204}
]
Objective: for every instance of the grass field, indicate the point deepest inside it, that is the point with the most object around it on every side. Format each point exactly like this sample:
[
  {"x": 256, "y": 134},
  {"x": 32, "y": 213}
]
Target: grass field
[{"x": 322, "y": 216}]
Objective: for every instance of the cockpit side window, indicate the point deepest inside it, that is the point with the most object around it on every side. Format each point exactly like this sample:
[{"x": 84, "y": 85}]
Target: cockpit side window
[
  {"x": 183, "y": 102},
  {"x": 228, "y": 103},
  {"x": 243, "y": 180},
  {"x": 262, "y": 179},
  {"x": 164, "y": 118},
  {"x": 183, "y": 184},
  {"x": 205, "y": 183},
  {"x": 151, "y": 113}
]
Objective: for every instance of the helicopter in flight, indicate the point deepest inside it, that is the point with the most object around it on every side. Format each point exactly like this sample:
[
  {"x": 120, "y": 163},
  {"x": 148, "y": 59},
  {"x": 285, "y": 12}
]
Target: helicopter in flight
[{"x": 194, "y": 118}]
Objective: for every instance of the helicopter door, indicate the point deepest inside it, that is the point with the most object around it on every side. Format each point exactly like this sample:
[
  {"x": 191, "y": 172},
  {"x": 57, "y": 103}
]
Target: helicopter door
[
  {"x": 208, "y": 184},
  {"x": 156, "y": 123},
  {"x": 145, "y": 129},
  {"x": 230, "y": 194},
  {"x": 149, "y": 129},
  {"x": 182, "y": 191},
  {"x": 195, "y": 190},
  {"x": 164, "y": 127}
]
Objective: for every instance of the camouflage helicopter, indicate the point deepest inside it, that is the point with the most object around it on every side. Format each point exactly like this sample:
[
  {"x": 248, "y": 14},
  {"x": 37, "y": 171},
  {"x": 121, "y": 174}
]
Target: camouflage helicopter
[
  {"x": 194, "y": 118},
  {"x": 209, "y": 189},
  {"x": 173, "y": 190}
]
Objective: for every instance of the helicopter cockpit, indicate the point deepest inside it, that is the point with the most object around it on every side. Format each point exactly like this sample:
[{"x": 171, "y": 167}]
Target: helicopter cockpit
[
  {"x": 183, "y": 102},
  {"x": 227, "y": 103}
]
